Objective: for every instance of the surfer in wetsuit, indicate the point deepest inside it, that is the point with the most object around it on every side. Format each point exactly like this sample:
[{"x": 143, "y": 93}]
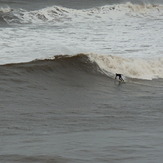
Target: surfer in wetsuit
[{"x": 119, "y": 76}]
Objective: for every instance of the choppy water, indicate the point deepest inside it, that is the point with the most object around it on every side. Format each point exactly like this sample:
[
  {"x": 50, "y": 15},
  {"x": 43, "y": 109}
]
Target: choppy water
[{"x": 59, "y": 101}]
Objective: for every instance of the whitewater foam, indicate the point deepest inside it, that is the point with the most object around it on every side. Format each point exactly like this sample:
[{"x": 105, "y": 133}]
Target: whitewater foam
[
  {"x": 58, "y": 13},
  {"x": 129, "y": 67}
]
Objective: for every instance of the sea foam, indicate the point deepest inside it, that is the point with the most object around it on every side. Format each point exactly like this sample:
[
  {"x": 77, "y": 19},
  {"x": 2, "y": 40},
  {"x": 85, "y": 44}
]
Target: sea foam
[{"x": 130, "y": 67}]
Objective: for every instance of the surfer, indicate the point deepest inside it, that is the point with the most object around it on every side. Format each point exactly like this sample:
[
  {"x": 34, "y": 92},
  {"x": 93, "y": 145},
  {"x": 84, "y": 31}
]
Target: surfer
[{"x": 119, "y": 76}]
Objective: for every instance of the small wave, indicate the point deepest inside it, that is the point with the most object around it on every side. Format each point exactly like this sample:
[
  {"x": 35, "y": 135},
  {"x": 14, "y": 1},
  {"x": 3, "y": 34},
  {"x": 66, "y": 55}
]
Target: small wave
[
  {"x": 21, "y": 16},
  {"x": 3, "y": 13},
  {"x": 145, "y": 9},
  {"x": 10, "y": 16},
  {"x": 61, "y": 14}
]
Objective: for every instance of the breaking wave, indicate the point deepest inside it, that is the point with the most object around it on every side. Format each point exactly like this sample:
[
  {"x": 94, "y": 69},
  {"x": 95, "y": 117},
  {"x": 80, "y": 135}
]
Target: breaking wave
[
  {"x": 109, "y": 65},
  {"x": 130, "y": 67},
  {"x": 61, "y": 14}
]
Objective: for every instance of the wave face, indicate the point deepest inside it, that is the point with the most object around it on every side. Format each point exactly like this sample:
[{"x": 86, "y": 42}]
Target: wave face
[{"x": 55, "y": 65}]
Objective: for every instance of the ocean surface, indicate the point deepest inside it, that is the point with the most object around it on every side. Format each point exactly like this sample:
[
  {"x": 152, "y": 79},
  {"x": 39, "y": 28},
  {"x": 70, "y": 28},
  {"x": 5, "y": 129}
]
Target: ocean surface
[{"x": 59, "y": 101}]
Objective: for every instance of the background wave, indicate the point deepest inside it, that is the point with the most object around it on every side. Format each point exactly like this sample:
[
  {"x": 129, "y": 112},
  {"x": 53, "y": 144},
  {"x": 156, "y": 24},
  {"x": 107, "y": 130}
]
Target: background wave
[{"x": 59, "y": 14}]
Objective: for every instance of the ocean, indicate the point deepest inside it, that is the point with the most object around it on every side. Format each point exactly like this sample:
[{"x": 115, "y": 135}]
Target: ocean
[{"x": 59, "y": 100}]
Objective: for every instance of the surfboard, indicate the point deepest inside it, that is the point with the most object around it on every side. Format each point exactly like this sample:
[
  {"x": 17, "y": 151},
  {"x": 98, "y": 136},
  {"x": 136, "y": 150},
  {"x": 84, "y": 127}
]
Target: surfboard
[{"x": 118, "y": 82}]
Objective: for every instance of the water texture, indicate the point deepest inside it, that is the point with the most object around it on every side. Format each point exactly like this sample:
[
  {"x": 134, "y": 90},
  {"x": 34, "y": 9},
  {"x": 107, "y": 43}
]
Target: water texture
[{"x": 59, "y": 101}]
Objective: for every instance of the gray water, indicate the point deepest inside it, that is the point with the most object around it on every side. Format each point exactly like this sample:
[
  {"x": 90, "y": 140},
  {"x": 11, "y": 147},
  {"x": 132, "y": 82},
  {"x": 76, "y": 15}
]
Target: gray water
[
  {"x": 67, "y": 113},
  {"x": 76, "y": 4}
]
